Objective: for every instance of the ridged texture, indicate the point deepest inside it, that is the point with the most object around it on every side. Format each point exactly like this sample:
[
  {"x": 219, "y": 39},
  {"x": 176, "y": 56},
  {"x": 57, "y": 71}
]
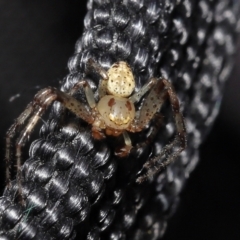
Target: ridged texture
[{"x": 75, "y": 187}]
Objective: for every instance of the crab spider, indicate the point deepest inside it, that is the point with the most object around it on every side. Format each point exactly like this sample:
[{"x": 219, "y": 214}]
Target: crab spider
[{"x": 114, "y": 114}]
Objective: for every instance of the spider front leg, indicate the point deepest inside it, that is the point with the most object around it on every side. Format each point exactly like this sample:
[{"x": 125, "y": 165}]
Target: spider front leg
[
  {"x": 150, "y": 105},
  {"x": 36, "y": 108},
  {"x": 9, "y": 135},
  {"x": 88, "y": 92},
  {"x": 125, "y": 150},
  {"x": 149, "y": 85},
  {"x": 93, "y": 66},
  {"x": 154, "y": 165}
]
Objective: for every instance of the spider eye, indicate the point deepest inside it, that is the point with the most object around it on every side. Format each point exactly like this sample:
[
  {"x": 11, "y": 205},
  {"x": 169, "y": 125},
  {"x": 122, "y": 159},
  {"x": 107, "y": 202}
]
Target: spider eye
[{"x": 120, "y": 80}]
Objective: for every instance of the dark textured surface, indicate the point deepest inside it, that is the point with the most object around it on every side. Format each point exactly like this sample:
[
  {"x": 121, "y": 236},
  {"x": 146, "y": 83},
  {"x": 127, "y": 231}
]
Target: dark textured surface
[{"x": 204, "y": 40}]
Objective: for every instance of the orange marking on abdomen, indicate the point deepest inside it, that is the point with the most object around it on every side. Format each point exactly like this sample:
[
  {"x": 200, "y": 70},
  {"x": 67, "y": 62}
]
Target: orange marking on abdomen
[
  {"x": 111, "y": 102},
  {"x": 128, "y": 106}
]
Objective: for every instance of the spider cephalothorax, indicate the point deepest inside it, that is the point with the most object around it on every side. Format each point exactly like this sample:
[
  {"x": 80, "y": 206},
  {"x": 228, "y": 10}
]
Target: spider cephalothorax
[{"x": 114, "y": 114}]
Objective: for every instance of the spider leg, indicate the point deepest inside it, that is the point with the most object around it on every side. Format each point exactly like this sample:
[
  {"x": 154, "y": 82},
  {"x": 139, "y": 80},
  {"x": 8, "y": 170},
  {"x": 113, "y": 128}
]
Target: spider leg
[
  {"x": 149, "y": 108},
  {"x": 93, "y": 66},
  {"x": 137, "y": 96},
  {"x": 151, "y": 104},
  {"x": 102, "y": 88},
  {"x": 156, "y": 123},
  {"x": 88, "y": 92},
  {"x": 179, "y": 120},
  {"x": 153, "y": 166},
  {"x": 36, "y": 108},
  {"x": 9, "y": 135},
  {"x": 125, "y": 150}
]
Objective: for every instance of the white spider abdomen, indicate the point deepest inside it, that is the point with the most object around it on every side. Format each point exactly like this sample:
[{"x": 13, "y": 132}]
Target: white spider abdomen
[
  {"x": 116, "y": 112},
  {"x": 120, "y": 80}
]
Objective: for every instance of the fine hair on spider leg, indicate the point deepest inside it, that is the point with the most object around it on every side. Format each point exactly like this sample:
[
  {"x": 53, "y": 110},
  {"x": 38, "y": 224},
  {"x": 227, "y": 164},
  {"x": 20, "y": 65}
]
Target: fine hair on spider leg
[
  {"x": 34, "y": 112},
  {"x": 155, "y": 165}
]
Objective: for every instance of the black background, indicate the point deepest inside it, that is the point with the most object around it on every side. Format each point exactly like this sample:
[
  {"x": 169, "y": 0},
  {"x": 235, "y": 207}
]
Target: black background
[{"x": 36, "y": 40}]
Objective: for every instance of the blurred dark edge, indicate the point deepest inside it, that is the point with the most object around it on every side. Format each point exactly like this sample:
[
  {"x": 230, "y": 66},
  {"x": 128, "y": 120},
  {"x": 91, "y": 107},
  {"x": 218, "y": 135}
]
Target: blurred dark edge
[{"x": 36, "y": 40}]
